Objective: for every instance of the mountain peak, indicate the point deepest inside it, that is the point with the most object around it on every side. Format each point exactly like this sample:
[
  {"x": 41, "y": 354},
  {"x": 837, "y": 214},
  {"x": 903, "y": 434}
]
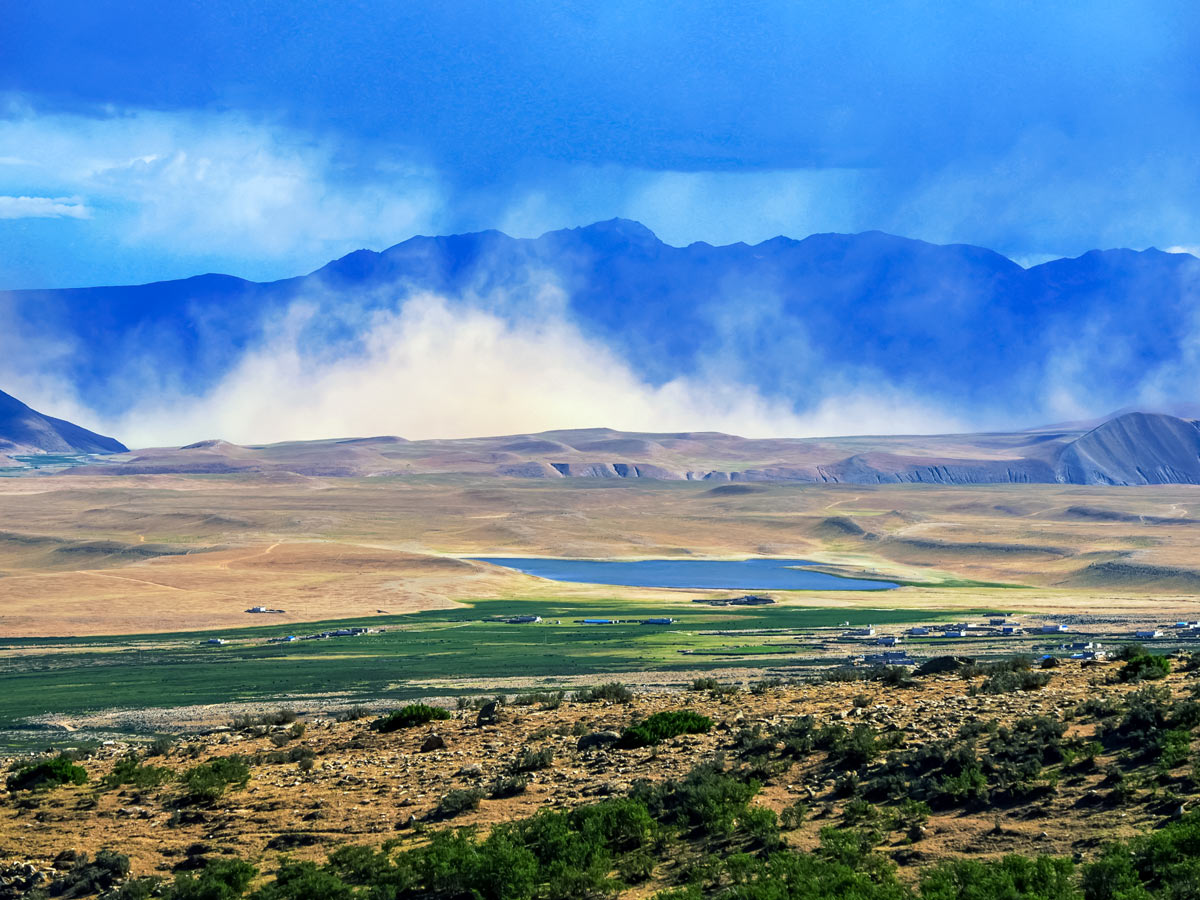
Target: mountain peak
[{"x": 627, "y": 230}]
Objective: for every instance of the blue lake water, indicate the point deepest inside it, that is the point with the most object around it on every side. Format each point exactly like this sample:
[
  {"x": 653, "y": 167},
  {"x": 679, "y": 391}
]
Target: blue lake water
[{"x": 695, "y": 574}]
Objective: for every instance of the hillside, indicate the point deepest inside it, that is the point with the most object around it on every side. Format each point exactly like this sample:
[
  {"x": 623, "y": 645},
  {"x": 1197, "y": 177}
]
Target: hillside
[
  {"x": 1132, "y": 448},
  {"x": 27, "y": 431},
  {"x": 859, "y": 783},
  {"x": 959, "y": 326}
]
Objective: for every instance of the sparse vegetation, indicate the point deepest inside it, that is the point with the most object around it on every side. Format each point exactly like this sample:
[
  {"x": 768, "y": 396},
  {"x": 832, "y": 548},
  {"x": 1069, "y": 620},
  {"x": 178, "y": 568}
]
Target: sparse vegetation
[
  {"x": 409, "y": 717},
  {"x": 209, "y": 781},
  {"x": 610, "y": 692}
]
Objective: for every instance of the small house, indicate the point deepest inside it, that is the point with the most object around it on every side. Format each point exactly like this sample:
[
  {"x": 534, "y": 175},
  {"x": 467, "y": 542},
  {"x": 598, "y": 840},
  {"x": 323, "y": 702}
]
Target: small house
[{"x": 1054, "y": 629}]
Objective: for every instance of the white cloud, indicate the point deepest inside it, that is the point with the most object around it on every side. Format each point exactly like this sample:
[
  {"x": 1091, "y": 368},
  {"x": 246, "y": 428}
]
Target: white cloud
[
  {"x": 434, "y": 369},
  {"x": 1193, "y": 250},
  {"x": 211, "y": 184},
  {"x": 43, "y": 208}
]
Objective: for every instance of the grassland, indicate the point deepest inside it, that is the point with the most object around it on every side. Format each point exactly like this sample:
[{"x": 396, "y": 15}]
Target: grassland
[
  {"x": 418, "y": 655},
  {"x": 109, "y": 585}
]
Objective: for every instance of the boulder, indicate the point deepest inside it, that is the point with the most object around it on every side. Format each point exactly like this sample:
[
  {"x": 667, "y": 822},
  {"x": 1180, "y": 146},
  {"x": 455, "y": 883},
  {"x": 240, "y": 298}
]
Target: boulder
[
  {"x": 598, "y": 739},
  {"x": 433, "y": 742},
  {"x": 489, "y": 714},
  {"x": 939, "y": 664}
]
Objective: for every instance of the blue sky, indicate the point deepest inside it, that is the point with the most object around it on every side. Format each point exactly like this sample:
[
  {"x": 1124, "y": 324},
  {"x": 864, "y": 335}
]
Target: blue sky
[{"x": 142, "y": 141}]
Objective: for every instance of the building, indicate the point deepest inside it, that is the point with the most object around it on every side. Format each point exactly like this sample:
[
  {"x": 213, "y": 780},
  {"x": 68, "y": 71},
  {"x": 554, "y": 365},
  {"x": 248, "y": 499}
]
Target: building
[
  {"x": 918, "y": 631},
  {"x": 888, "y": 641},
  {"x": 1010, "y": 630},
  {"x": 658, "y": 621},
  {"x": 955, "y": 633},
  {"x": 523, "y": 620},
  {"x": 599, "y": 622},
  {"x": 869, "y": 631},
  {"x": 217, "y": 641},
  {"x": 1054, "y": 629},
  {"x": 1147, "y": 635}
]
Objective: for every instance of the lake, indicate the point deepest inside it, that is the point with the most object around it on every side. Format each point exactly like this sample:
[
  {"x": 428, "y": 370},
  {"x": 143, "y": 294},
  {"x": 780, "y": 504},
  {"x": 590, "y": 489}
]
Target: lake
[{"x": 694, "y": 574}]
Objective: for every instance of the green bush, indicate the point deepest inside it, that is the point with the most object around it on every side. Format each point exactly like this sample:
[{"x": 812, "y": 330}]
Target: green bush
[
  {"x": 130, "y": 771},
  {"x": 209, "y": 781},
  {"x": 220, "y": 879},
  {"x": 663, "y": 725},
  {"x": 1145, "y": 667},
  {"x": 47, "y": 774},
  {"x": 1013, "y": 878},
  {"x": 410, "y": 716}
]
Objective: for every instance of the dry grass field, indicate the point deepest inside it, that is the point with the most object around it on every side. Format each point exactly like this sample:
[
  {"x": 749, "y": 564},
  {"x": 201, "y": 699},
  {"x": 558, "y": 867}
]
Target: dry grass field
[{"x": 86, "y": 555}]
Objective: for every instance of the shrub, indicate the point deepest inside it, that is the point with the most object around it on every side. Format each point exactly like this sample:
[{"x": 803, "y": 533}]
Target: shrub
[
  {"x": 410, "y": 716},
  {"x": 765, "y": 685},
  {"x": 1007, "y": 682},
  {"x": 129, "y": 771},
  {"x": 663, "y": 725},
  {"x": 1014, "y": 877},
  {"x": 220, "y": 879},
  {"x": 612, "y": 692},
  {"x": 457, "y": 801},
  {"x": 47, "y": 774},
  {"x": 704, "y": 684},
  {"x": 530, "y": 760},
  {"x": 209, "y": 781},
  {"x": 1145, "y": 667},
  {"x": 160, "y": 746},
  {"x": 509, "y": 786}
]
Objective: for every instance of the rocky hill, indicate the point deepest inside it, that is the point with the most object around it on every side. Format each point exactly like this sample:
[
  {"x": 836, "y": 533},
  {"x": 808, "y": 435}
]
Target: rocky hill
[
  {"x": 1132, "y": 448},
  {"x": 27, "y": 431}
]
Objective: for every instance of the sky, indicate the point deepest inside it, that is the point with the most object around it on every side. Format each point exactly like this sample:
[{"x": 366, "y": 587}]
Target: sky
[{"x": 144, "y": 141}]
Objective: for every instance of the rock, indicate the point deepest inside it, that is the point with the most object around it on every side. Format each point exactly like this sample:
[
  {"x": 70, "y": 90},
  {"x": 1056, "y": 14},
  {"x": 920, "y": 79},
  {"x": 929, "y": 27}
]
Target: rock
[
  {"x": 433, "y": 742},
  {"x": 488, "y": 715},
  {"x": 940, "y": 664},
  {"x": 598, "y": 739}
]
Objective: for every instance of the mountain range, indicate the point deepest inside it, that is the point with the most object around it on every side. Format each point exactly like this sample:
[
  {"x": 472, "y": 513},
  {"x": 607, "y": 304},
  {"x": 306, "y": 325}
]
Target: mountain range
[{"x": 961, "y": 327}]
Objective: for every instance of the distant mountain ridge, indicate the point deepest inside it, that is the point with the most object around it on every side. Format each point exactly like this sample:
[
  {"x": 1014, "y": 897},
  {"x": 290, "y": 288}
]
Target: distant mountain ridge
[
  {"x": 959, "y": 326},
  {"x": 1131, "y": 449},
  {"x": 27, "y": 431}
]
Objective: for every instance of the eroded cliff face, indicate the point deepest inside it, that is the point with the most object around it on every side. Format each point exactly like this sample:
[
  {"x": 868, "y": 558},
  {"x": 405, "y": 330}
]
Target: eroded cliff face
[{"x": 1135, "y": 448}]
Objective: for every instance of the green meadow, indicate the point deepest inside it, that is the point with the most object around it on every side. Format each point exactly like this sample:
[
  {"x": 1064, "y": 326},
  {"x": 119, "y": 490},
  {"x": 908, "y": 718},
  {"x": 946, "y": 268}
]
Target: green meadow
[{"x": 80, "y": 675}]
